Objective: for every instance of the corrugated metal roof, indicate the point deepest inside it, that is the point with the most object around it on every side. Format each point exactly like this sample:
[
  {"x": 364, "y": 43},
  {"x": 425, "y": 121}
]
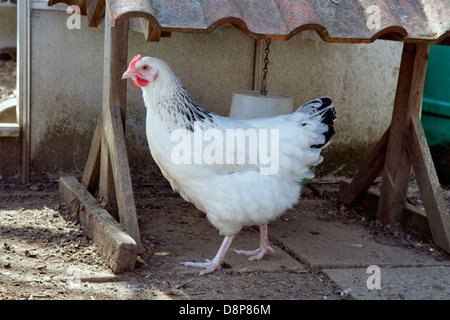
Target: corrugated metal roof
[{"x": 335, "y": 20}]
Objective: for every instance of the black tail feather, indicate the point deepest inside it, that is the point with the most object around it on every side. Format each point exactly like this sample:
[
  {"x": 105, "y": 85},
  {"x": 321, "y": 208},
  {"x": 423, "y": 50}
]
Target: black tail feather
[{"x": 322, "y": 107}]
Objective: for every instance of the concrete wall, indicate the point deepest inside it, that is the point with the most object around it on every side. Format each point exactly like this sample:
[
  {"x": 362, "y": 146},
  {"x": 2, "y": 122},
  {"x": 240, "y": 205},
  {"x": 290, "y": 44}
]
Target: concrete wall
[
  {"x": 8, "y": 26},
  {"x": 67, "y": 87},
  {"x": 360, "y": 78}
]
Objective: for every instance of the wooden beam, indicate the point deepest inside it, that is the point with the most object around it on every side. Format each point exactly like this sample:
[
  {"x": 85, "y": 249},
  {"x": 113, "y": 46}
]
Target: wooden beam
[
  {"x": 91, "y": 173},
  {"x": 122, "y": 180},
  {"x": 83, "y": 6},
  {"x": 429, "y": 186},
  {"x": 397, "y": 166},
  {"x": 115, "y": 63},
  {"x": 106, "y": 191},
  {"x": 107, "y": 166},
  {"x": 95, "y": 12},
  {"x": 114, "y": 110},
  {"x": 79, "y": 3},
  {"x": 117, "y": 248},
  {"x": 352, "y": 192}
]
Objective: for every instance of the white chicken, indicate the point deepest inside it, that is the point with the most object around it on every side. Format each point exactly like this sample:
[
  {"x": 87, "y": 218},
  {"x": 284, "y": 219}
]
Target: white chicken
[{"x": 239, "y": 172}]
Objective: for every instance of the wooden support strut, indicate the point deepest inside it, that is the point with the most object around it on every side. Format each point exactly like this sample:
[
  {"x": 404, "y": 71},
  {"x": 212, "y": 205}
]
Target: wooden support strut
[
  {"x": 107, "y": 165},
  {"x": 117, "y": 248},
  {"x": 371, "y": 169},
  {"x": 429, "y": 187},
  {"x": 402, "y": 146},
  {"x": 95, "y": 12},
  {"x": 397, "y": 165}
]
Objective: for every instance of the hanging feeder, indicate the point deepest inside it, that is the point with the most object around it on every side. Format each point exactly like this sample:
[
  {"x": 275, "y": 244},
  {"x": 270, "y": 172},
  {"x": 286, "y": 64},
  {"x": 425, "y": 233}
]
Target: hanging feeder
[{"x": 248, "y": 104}]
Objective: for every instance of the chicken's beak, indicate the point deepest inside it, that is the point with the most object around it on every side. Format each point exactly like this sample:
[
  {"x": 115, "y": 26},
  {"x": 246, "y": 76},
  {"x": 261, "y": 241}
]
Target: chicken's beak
[{"x": 129, "y": 74}]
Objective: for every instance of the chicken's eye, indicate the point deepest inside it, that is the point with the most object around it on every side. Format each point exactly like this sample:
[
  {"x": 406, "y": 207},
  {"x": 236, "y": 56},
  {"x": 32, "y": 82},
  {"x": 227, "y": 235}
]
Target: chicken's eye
[{"x": 145, "y": 68}]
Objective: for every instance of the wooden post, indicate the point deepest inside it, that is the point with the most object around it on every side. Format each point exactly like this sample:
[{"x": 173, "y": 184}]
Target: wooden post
[
  {"x": 95, "y": 12},
  {"x": 106, "y": 192},
  {"x": 113, "y": 138},
  {"x": 107, "y": 165},
  {"x": 408, "y": 102},
  {"x": 402, "y": 146},
  {"x": 115, "y": 62},
  {"x": 91, "y": 173},
  {"x": 121, "y": 173},
  {"x": 114, "y": 94}
]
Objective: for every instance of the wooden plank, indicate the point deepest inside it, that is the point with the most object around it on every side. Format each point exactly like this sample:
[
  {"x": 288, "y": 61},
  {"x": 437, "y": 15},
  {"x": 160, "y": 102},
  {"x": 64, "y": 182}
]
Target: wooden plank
[
  {"x": 122, "y": 180},
  {"x": 369, "y": 171},
  {"x": 114, "y": 100},
  {"x": 95, "y": 12},
  {"x": 92, "y": 168},
  {"x": 397, "y": 166},
  {"x": 115, "y": 62},
  {"x": 79, "y": 3},
  {"x": 117, "y": 248},
  {"x": 83, "y": 6},
  {"x": 429, "y": 186},
  {"x": 106, "y": 191}
]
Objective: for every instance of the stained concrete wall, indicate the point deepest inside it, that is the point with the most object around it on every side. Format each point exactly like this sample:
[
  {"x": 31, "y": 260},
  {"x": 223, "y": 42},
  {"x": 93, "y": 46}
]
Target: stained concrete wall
[
  {"x": 67, "y": 86},
  {"x": 9, "y": 157},
  {"x": 8, "y": 26},
  {"x": 67, "y": 70},
  {"x": 360, "y": 78}
]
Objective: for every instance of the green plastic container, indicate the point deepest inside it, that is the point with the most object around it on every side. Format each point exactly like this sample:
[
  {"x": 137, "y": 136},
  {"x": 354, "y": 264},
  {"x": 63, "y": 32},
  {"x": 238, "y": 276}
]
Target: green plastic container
[{"x": 436, "y": 109}]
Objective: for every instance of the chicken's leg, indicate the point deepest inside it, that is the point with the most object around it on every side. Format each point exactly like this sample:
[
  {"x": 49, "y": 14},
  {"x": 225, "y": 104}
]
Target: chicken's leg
[
  {"x": 214, "y": 264},
  {"x": 259, "y": 253}
]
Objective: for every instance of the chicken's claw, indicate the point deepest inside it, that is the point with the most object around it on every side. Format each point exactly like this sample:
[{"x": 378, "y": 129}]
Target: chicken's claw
[
  {"x": 257, "y": 254},
  {"x": 214, "y": 264},
  {"x": 264, "y": 246},
  {"x": 208, "y": 266}
]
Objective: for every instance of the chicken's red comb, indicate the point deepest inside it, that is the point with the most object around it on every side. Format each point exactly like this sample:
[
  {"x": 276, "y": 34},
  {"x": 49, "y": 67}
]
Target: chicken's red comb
[{"x": 135, "y": 59}]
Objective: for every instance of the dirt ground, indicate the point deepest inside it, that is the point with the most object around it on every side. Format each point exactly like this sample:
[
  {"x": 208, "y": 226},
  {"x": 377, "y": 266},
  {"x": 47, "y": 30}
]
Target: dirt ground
[{"x": 45, "y": 255}]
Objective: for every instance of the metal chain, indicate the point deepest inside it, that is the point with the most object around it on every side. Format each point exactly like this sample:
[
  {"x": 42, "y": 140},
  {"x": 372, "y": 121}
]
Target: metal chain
[{"x": 266, "y": 62}]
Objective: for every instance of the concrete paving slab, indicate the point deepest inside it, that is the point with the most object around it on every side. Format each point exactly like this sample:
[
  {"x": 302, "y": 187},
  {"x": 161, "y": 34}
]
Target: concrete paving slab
[
  {"x": 328, "y": 243},
  {"x": 184, "y": 234},
  {"x": 415, "y": 283}
]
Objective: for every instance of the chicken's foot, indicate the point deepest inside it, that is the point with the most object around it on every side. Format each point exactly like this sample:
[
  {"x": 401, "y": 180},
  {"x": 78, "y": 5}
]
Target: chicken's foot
[
  {"x": 214, "y": 264},
  {"x": 259, "y": 253}
]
